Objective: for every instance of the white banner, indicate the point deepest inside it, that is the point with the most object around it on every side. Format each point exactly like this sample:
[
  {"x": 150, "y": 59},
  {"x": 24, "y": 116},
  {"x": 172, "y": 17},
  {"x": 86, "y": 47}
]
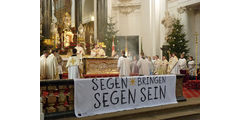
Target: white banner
[{"x": 104, "y": 95}]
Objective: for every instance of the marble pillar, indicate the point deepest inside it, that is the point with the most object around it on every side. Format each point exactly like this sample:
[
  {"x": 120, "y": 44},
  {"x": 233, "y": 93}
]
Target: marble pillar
[
  {"x": 101, "y": 18},
  {"x": 73, "y": 14},
  {"x": 163, "y": 7},
  {"x": 47, "y": 18},
  {"x": 78, "y": 13}
]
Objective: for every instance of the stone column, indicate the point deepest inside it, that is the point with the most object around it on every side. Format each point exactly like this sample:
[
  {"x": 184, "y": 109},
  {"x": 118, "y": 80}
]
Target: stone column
[
  {"x": 47, "y": 18},
  {"x": 78, "y": 12},
  {"x": 101, "y": 18},
  {"x": 163, "y": 8},
  {"x": 73, "y": 14},
  {"x": 95, "y": 21}
]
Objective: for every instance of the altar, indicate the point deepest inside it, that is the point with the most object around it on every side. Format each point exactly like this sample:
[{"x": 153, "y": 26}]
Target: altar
[{"x": 96, "y": 67}]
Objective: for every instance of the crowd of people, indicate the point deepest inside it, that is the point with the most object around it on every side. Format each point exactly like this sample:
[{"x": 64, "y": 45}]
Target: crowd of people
[
  {"x": 147, "y": 65},
  {"x": 51, "y": 64}
]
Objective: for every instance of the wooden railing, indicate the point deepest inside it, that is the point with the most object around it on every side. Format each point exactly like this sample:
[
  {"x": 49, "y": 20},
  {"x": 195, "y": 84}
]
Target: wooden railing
[{"x": 58, "y": 96}]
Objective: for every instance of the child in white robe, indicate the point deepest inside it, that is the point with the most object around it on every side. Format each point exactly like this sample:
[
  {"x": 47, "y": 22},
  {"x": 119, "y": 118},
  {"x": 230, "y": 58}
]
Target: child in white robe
[
  {"x": 182, "y": 63},
  {"x": 123, "y": 65},
  {"x": 191, "y": 66}
]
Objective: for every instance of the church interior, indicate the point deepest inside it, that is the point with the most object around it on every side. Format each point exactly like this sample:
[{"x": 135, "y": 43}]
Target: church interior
[{"x": 100, "y": 30}]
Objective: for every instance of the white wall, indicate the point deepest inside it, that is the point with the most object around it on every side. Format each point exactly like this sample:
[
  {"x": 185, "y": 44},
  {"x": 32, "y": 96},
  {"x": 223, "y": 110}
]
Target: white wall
[
  {"x": 191, "y": 21},
  {"x": 88, "y": 10},
  {"x": 146, "y": 22},
  {"x": 143, "y": 22}
]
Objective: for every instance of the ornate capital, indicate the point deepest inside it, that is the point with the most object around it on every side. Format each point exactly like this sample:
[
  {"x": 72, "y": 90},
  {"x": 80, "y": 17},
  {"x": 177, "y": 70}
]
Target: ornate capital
[{"x": 127, "y": 6}]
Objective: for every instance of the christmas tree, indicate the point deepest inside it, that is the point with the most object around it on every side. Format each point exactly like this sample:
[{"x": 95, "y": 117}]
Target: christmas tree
[
  {"x": 110, "y": 33},
  {"x": 176, "y": 40}
]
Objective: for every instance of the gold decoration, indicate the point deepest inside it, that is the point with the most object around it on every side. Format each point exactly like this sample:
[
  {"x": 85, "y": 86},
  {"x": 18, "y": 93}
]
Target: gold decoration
[
  {"x": 102, "y": 44},
  {"x": 73, "y": 61},
  {"x": 132, "y": 81},
  {"x": 100, "y": 66}
]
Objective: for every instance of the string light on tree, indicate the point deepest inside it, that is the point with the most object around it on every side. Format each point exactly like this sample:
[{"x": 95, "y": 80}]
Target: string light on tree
[{"x": 176, "y": 40}]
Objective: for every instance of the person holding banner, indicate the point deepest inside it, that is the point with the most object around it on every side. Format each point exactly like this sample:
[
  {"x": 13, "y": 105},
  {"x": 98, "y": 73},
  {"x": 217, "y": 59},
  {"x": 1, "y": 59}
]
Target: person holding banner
[
  {"x": 143, "y": 65},
  {"x": 173, "y": 65},
  {"x": 73, "y": 65},
  {"x": 123, "y": 65}
]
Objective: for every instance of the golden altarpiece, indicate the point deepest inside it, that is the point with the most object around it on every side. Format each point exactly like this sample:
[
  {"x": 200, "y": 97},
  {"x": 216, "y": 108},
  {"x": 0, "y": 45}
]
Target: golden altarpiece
[{"x": 66, "y": 23}]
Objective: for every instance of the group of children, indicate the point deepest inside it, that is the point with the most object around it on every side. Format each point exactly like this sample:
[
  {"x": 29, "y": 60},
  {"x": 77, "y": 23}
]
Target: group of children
[{"x": 154, "y": 66}]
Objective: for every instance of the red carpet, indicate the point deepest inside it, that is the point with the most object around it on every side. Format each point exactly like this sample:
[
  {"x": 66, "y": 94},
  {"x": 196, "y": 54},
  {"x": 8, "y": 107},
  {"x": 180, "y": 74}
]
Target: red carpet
[{"x": 191, "y": 93}]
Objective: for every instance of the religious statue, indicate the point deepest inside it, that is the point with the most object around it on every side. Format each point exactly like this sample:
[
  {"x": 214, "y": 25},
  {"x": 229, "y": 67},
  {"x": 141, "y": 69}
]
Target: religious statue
[
  {"x": 54, "y": 32},
  {"x": 67, "y": 20},
  {"x": 168, "y": 24},
  {"x": 68, "y": 38},
  {"x": 81, "y": 32}
]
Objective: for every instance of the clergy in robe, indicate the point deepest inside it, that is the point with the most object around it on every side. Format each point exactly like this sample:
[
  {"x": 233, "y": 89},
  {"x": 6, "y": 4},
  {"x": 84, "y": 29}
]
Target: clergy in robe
[
  {"x": 80, "y": 54},
  {"x": 43, "y": 65},
  {"x": 143, "y": 65},
  {"x": 156, "y": 64},
  {"x": 94, "y": 52},
  {"x": 163, "y": 65},
  {"x": 182, "y": 64},
  {"x": 101, "y": 52},
  {"x": 123, "y": 65},
  {"x": 134, "y": 67},
  {"x": 150, "y": 65},
  {"x": 191, "y": 66},
  {"x": 80, "y": 50},
  {"x": 172, "y": 66},
  {"x": 73, "y": 65},
  {"x": 60, "y": 63},
  {"x": 52, "y": 66}
]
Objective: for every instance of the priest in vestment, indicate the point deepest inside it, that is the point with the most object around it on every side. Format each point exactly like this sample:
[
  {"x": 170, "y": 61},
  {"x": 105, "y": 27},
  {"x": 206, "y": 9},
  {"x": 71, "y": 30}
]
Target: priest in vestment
[
  {"x": 101, "y": 52},
  {"x": 124, "y": 65},
  {"x": 172, "y": 66},
  {"x": 80, "y": 50},
  {"x": 73, "y": 65},
  {"x": 143, "y": 65},
  {"x": 43, "y": 65},
  {"x": 52, "y": 66},
  {"x": 94, "y": 52},
  {"x": 156, "y": 64},
  {"x": 162, "y": 66}
]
